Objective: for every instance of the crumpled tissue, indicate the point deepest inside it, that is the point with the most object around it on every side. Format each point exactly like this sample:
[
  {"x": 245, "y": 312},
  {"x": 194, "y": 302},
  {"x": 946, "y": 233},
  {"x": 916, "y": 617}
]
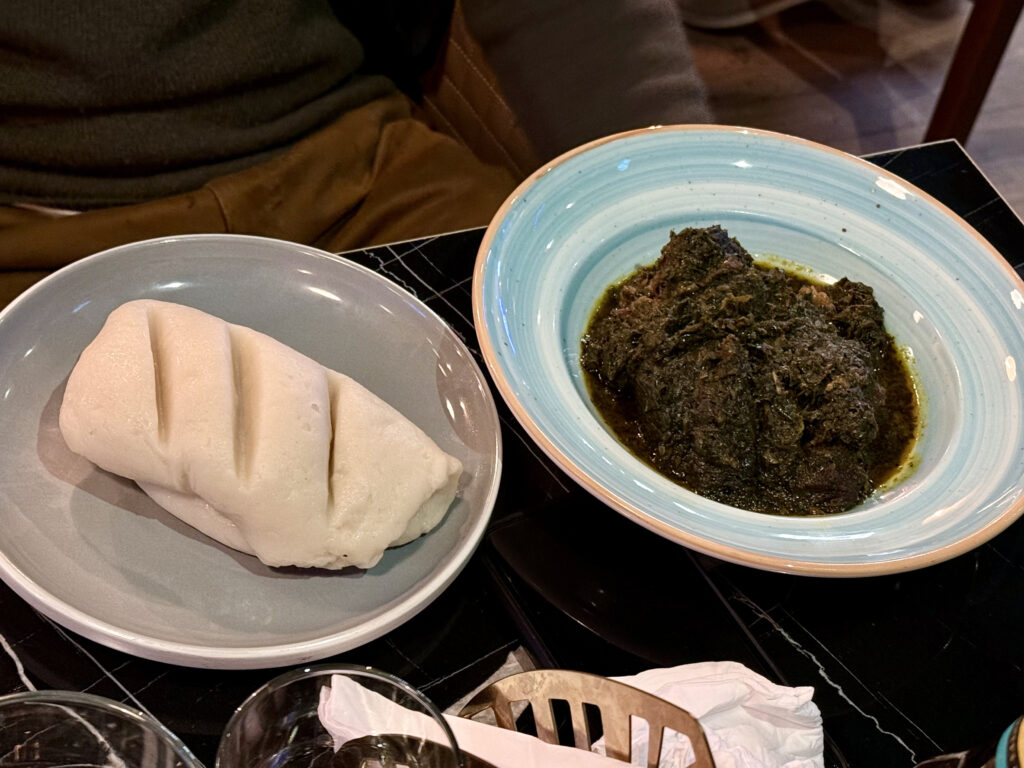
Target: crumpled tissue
[{"x": 749, "y": 722}]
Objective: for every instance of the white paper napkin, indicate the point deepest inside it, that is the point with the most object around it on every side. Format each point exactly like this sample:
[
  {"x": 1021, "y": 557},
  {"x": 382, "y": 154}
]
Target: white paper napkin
[
  {"x": 749, "y": 721},
  {"x": 349, "y": 711}
]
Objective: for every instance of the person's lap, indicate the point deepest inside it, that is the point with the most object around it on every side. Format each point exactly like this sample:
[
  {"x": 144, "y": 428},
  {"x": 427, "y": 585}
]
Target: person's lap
[{"x": 376, "y": 175}]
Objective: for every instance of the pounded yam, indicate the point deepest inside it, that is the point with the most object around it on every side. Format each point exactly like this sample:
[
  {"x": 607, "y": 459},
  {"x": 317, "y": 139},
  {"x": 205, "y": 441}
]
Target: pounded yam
[{"x": 251, "y": 442}]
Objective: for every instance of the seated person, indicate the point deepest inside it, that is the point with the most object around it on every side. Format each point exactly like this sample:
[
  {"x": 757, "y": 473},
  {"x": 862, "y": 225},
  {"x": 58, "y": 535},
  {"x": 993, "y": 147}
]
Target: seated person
[{"x": 122, "y": 121}]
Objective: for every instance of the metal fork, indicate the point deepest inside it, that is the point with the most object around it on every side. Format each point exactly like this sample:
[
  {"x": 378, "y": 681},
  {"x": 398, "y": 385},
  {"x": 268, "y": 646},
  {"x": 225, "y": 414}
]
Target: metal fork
[{"x": 615, "y": 701}]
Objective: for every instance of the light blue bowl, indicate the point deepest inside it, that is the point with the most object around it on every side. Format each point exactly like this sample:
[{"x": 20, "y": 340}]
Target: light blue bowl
[{"x": 595, "y": 214}]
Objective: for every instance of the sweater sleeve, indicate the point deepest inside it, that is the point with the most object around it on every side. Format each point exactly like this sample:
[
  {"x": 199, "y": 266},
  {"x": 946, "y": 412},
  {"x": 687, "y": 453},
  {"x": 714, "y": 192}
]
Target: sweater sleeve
[{"x": 575, "y": 71}]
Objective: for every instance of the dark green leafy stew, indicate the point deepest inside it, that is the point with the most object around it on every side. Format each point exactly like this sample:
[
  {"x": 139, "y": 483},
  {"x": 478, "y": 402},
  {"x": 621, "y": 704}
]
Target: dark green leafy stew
[{"x": 750, "y": 385}]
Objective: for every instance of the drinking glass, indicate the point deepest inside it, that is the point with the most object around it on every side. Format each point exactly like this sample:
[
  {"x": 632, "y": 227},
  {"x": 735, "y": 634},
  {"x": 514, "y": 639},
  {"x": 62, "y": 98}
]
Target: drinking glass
[
  {"x": 46, "y": 729},
  {"x": 279, "y": 726}
]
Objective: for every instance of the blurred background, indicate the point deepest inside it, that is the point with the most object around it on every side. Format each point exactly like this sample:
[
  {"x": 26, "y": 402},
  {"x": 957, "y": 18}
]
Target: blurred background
[{"x": 859, "y": 75}]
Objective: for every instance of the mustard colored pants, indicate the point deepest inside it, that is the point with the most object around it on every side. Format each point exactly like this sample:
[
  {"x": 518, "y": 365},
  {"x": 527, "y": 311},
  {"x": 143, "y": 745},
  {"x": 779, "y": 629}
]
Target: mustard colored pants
[{"x": 376, "y": 175}]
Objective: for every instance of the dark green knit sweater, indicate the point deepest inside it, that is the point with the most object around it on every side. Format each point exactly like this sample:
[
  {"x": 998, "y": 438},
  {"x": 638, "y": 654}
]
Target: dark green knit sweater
[
  {"x": 117, "y": 101},
  {"x": 104, "y": 102}
]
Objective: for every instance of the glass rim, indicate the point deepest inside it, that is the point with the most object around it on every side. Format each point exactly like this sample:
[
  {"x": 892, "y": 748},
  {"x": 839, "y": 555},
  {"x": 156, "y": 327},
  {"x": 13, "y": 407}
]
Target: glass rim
[
  {"x": 320, "y": 670},
  {"x": 64, "y": 698}
]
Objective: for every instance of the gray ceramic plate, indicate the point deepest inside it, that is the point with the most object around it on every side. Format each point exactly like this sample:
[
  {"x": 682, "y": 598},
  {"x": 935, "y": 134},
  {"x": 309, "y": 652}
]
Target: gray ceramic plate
[{"x": 92, "y": 552}]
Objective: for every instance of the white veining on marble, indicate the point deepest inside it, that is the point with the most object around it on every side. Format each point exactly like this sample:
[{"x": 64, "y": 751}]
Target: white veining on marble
[
  {"x": 60, "y": 631},
  {"x": 113, "y": 759},
  {"x": 438, "y": 294},
  {"x": 397, "y": 279},
  {"x": 389, "y": 273},
  {"x": 9, "y": 650},
  {"x": 380, "y": 260},
  {"x": 153, "y": 681},
  {"x": 824, "y": 675}
]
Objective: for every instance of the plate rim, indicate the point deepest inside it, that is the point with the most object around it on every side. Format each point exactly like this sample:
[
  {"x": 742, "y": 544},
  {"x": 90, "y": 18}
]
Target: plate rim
[
  {"x": 262, "y": 656},
  {"x": 727, "y": 552}
]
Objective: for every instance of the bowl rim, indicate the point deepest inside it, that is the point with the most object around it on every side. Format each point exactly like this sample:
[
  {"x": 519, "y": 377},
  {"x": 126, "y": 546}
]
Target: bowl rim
[{"x": 727, "y": 552}]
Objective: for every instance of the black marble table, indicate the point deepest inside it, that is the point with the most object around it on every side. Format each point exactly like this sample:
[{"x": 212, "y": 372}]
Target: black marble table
[{"x": 904, "y": 667}]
